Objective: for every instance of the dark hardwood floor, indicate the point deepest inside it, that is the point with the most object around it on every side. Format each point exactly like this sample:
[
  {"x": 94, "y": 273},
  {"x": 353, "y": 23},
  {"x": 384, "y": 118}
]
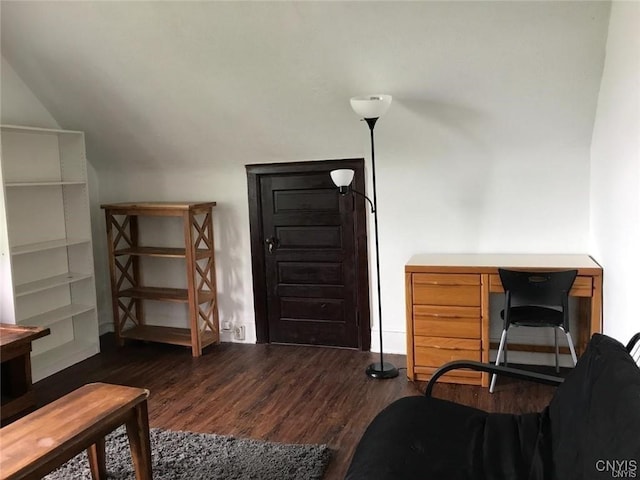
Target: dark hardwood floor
[{"x": 278, "y": 393}]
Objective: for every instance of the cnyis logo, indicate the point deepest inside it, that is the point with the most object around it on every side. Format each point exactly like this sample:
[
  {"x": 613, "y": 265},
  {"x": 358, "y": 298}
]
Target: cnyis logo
[{"x": 618, "y": 468}]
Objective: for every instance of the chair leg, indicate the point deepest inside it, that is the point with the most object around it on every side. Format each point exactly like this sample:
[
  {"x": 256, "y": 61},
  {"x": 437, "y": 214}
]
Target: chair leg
[
  {"x": 573, "y": 350},
  {"x": 503, "y": 340},
  {"x": 505, "y": 362},
  {"x": 555, "y": 335}
]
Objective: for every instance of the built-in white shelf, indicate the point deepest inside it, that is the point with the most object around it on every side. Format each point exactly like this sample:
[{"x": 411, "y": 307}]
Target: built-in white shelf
[
  {"x": 40, "y": 130},
  {"x": 45, "y": 232},
  {"x": 48, "y": 245},
  {"x": 53, "y": 360},
  {"x": 42, "y": 184},
  {"x": 57, "y": 315},
  {"x": 50, "y": 282}
]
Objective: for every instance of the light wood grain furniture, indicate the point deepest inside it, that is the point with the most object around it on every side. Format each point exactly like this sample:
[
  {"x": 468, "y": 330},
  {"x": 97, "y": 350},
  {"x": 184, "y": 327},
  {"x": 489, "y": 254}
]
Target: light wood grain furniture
[
  {"x": 128, "y": 291},
  {"x": 447, "y": 303},
  {"x": 45, "y": 244},
  {"x": 45, "y": 439},
  {"x": 15, "y": 354}
]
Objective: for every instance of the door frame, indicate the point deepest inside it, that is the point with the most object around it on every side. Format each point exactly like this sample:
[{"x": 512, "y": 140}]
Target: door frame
[{"x": 258, "y": 261}]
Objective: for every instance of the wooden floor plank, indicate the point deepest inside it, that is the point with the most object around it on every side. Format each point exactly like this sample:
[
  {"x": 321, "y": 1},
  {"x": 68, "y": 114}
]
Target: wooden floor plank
[{"x": 292, "y": 394}]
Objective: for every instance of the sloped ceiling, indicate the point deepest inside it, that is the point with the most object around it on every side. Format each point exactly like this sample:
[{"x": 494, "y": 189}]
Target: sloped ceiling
[{"x": 185, "y": 84}]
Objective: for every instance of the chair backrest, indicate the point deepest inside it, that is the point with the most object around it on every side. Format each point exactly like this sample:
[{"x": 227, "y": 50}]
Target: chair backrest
[
  {"x": 538, "y": 288},
  {"x": 633, "y": 347}
]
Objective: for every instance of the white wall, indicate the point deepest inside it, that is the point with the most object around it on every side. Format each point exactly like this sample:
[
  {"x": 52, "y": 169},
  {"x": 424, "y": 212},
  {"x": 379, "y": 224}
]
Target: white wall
[
  {"x": 485, "y": 146},
  {"x": 615, "y": 173},
  {"x": 18, "y": 104}
]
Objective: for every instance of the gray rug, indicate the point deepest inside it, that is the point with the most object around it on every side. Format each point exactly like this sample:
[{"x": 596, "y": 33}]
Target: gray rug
[{"x": 201, "y": 456}]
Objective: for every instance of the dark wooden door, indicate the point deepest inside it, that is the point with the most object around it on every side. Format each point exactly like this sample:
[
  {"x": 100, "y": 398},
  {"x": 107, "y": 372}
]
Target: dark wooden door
[{"x": 309, "y": 249}]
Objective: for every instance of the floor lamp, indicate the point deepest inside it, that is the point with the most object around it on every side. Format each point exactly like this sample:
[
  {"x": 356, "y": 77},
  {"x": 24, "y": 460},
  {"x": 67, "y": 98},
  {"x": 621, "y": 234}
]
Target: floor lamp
[{"x": 370, "y": 108}]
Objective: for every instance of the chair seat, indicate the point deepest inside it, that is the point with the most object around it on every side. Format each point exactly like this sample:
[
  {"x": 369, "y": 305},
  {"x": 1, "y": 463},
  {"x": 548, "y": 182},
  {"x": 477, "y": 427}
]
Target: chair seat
[
  {"x": 534, "y": 316},
  {"x": 426, "y": 438}
]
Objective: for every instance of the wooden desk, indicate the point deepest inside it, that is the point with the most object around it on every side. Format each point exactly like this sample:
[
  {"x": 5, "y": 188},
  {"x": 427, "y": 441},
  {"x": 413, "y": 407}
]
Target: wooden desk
[
  {"x": 15, "y": 352},
  {"x": 447, "y": 301}
]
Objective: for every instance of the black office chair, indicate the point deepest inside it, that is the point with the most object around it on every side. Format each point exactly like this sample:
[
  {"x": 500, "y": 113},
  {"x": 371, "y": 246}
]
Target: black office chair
[
  {"x": 633, "y": 347},
  {"x": 535, "y": 299}
]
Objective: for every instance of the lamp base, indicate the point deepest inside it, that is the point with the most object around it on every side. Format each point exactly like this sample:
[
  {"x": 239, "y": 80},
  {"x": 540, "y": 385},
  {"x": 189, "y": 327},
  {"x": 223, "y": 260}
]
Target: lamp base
[{"x": 386, "y": 371}]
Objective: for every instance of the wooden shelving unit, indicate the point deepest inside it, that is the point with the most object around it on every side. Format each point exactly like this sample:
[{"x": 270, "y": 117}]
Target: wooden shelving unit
[
  {"x": 128, "y": 292},
  {"x": 46, "y": 256}
]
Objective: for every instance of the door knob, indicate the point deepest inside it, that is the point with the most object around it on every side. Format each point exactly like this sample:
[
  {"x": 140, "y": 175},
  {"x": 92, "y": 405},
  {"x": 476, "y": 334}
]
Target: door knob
[{"x": 271, "y": 243}]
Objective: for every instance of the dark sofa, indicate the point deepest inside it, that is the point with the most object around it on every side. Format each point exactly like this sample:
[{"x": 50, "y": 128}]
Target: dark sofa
[{"x": 590, "y": 430}]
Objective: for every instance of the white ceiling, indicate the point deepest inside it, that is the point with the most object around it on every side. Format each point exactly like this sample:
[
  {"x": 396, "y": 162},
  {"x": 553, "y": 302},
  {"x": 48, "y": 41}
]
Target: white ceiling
[{"x": 174, "y": 84}]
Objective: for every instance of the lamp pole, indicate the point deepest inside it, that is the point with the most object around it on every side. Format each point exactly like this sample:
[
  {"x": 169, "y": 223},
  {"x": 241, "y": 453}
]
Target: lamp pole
[{"x": 383, "y": 370}]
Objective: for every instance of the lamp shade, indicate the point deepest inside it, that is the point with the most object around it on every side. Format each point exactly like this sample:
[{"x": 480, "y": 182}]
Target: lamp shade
[
  {"x": 371, "y": 106},
  {"x": 342, "y": 177}
]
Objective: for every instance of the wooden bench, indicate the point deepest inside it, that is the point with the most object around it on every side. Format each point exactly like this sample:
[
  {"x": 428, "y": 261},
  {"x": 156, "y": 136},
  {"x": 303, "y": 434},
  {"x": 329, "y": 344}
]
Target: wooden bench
[{"x": 45, "y": 439}]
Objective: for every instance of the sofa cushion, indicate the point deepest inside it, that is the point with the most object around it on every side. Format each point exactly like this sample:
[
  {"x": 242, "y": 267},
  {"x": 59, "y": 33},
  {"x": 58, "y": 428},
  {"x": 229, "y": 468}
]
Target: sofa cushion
[
  {"x": 514, "y": 447},
  {"x": 595, "y": 416},
  {"x": 428, "y": 438}
]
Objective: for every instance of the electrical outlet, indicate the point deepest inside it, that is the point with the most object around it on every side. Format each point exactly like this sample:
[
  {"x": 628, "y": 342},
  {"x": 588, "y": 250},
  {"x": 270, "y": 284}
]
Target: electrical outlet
[
  {"x": 226, "y": 325},
  {"x": 239, "y": 332}
]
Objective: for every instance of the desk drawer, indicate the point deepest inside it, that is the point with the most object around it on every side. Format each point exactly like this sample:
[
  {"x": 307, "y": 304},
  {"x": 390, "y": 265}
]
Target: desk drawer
[
  {"x": 446, "y": 321},
  {"x": 582, "y": 286},
  {"x": 446, "y": 289},
  {"x": 436, "y": 351}
]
